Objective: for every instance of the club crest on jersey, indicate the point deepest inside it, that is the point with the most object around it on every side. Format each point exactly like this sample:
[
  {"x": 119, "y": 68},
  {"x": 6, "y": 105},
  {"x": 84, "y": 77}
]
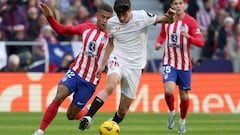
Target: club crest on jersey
[
  {"x": 103, "y": 40},
  {"x": 117, "y": 28}
]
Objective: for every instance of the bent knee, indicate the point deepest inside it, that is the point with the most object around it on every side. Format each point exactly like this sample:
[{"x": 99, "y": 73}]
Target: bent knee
[{"x": 70, "y": 117}]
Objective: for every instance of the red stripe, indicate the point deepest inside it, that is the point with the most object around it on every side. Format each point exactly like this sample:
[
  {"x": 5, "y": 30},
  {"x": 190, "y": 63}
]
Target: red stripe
[
  {"x": 168, "y": 48},
  {"x": 182, "y": 49},
  {"x": 100, "y": 48},
  {"x": 175, "y": 48},
  {"x": 84, "y": 48},
  {"x": 89, "y": 57}
]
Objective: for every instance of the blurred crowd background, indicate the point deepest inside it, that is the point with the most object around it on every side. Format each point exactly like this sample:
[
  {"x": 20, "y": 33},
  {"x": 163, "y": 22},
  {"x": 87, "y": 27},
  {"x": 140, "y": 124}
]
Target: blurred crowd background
[{"x": 21, "y": 20}]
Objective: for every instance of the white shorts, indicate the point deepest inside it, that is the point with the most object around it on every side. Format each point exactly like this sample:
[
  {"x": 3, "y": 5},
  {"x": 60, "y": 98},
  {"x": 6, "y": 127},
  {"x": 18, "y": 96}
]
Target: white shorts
[{"x": 129, "y": 78}]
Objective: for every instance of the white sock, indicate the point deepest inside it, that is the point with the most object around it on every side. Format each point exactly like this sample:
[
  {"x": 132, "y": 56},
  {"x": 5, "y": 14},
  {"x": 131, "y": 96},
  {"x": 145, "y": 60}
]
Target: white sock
[
  {"x": 173, "y": 112},
  {"x": 40, "y": 131},
  {"x": 182, "y": 121}
]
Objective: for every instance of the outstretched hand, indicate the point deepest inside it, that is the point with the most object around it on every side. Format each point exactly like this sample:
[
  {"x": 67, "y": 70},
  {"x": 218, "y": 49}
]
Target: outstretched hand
[
  {"x": 45, "y": 9},
  {"x": 170, "y": 14}
]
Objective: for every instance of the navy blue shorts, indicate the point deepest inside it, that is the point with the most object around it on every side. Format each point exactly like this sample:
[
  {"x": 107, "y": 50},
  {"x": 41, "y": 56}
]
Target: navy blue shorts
[
  {"x": 180, "y": 77},
  {"x": 82, "y": 89}
]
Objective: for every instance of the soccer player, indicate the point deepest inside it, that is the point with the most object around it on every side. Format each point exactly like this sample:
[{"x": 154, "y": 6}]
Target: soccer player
[
  {"x": 127, "y": 45},
  {"x": 81, "y": 78},
  {"x": 176, "y": 61}
]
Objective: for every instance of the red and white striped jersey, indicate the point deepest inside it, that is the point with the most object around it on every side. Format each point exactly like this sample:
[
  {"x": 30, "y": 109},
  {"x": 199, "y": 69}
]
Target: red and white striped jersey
[
  {"x": 92, "y": 51},
  {"x": 177, "y": 49}
]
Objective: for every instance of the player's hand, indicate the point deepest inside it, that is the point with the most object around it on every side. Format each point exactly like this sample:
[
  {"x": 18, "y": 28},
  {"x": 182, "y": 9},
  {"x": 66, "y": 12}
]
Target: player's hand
[
  {"x": 99, "y": 71},
  {"x": 157, "y": 46},
  {"x": 185, "y": 34},
  {"x": 169, "y": 15},
  {"x": 45, "y": 9}
]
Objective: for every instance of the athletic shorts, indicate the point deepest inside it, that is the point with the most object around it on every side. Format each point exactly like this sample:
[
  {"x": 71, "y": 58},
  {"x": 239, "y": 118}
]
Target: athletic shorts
[
  {"x": 129, "y": 78},
  {"x": 180, "y": 77},
  {"x": 82, "y": 90}
]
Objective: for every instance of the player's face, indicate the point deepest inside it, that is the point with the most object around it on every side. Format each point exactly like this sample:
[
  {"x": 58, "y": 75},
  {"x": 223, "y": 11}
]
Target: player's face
[
  {"x": 124, "y": 17},
  {"x": 179, "y": 6},
  {"x": 102, "y": 18}
]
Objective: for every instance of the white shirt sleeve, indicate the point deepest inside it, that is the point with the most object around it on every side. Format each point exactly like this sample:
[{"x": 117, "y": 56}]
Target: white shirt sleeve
[{"x": 149, "y": 17}]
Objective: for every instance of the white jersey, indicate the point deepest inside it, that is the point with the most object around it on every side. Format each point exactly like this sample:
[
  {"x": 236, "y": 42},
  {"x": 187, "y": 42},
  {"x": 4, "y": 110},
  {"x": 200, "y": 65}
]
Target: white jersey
[{"x": 130, "y": 40}]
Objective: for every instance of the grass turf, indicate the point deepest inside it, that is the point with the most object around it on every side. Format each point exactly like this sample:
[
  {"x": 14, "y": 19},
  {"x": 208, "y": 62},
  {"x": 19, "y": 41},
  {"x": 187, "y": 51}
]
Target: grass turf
[{"x": 134, "y": 124}]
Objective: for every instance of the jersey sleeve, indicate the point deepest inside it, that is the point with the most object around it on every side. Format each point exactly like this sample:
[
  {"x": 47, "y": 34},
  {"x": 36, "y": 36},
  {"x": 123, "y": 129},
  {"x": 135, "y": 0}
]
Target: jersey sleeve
[
  {"x": 61, "y": 29},
  {"x": 149, "y": 17},
  {"x": 195, "y": 36},
  {"x": 162, "y": 35}
]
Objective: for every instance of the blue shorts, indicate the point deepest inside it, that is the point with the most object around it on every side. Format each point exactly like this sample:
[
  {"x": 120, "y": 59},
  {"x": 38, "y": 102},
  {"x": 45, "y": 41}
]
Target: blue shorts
[
  {"x": 180, "y": 77},
  {"x": 83, "y": 90}
]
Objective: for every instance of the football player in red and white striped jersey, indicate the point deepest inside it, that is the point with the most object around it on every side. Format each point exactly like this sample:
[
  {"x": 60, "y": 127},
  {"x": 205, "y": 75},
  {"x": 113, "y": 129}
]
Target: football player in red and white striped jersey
[
  {"x": 176, "y": 62},
  {"x": 81, "y": 78}
]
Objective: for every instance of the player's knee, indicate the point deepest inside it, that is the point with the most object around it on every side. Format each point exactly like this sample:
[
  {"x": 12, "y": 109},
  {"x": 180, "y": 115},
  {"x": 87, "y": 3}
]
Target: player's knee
[
  {"x": 168, "y": 93},
  {"x": 183, "y": 97},
  {"x": 70, "y": 116}
]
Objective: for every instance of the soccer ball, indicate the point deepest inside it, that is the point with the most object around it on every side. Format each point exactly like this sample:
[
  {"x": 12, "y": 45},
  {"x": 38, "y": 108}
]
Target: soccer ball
[{"x": 109, "y": 127}]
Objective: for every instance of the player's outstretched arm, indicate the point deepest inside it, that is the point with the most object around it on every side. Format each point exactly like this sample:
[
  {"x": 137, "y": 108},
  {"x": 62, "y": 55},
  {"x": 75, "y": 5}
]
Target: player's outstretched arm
[
  {"x": 168, "y": 17},
  {"x": 59, "y": 28}
]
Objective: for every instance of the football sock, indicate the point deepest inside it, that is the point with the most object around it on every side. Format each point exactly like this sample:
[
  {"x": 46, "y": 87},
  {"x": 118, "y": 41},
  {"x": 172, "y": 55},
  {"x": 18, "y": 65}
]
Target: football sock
[
  {"x": 182, "y": 121},
  {"x": 50, "y": 114},
  {"x": 184, "y": 107},
  {"x": 117, "y": 119},
  {"x": 170, "y": 102},
  {"x": 81, "y": 113},
  {"x": 95, "y": 106}
]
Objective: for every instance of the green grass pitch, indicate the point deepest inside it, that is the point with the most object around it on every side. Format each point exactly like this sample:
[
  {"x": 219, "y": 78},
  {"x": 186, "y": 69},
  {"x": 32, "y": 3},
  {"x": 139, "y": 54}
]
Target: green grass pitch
[{"x": 134, "y": 124}]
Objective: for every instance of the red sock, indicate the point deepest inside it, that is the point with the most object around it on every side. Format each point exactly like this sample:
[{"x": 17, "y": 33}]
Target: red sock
[
  {"x": 50, "y": 114},
  {"x": 184, "y": 108},
  {"x": 170, "y": 102},
  {"x": 81, "y": 113}
]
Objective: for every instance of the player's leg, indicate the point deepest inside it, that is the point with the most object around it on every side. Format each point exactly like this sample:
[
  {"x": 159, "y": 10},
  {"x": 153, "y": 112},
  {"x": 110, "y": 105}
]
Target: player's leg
[
  {"x": 102, "y": 96},
  {"x": 65, "y": 88},
  {"x": 169, "y": 79},
  {"x": 52, "y": 109},
  {"x": 129, "y": 84},
  {"x": 114, "y": 76},
  {"x": 124, "y": 105},
  {"x": 170, "y": 100},
  {"x": 83, "y": 92},
  {"x": 184, "y": 87},
  {"x": 184, "y": 105},
  {"x": 99, "y": 100}
]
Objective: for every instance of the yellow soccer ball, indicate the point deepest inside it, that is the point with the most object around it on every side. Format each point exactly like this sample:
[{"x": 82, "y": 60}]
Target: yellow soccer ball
[{"x": 109, "y": 127}]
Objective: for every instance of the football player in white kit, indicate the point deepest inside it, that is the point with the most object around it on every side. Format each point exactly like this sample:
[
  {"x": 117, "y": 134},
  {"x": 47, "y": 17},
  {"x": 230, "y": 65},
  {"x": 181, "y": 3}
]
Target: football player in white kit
[{"x": 127, "y": 46}]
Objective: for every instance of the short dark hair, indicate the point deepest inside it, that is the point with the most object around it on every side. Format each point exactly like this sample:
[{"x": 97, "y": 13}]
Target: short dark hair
[
  {"x": 122, "y": 6},
  {"x": 105, "y": 7}
]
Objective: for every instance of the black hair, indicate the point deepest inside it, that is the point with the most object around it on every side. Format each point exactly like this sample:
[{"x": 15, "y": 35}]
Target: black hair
[
  {"x": 105, "y": 7},
  {"x": 122, "y": 6}
]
